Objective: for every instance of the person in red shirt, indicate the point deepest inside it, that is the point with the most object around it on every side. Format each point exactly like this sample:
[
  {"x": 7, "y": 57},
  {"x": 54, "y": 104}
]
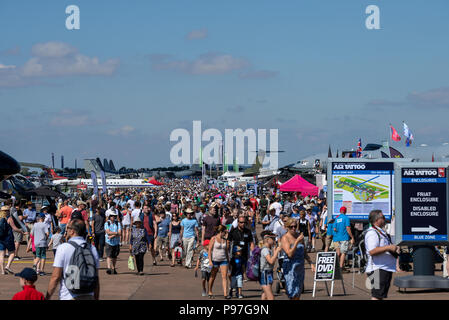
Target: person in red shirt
[
  {"x": 255, "y": 207},
  {"x": 27, "y": 279}
]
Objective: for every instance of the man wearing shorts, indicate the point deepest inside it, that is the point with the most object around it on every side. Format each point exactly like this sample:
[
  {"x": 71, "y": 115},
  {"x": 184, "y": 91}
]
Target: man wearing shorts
[
  {"x": 162, "y": 234},
  {"x": 40, "y": 233},
  {"x": 381, "y": 256},
  {"x": 341, "y": 235},
  {"x": 113, "y": 232}
]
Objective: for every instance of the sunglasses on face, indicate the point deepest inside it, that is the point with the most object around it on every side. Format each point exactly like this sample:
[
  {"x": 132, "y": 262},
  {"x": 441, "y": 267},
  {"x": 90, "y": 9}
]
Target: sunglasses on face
[{"x": 292, "y": 227}]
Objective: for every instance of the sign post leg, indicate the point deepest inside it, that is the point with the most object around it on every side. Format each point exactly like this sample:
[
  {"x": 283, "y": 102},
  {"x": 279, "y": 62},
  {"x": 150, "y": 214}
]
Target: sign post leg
[
  {"x": 332, "y": 288},
  {"x": 314, "y": 286},
  {"x": 343, "y": 285},
  {"x": 327, "y": 289},
  {"x": 353, "y": 275}
]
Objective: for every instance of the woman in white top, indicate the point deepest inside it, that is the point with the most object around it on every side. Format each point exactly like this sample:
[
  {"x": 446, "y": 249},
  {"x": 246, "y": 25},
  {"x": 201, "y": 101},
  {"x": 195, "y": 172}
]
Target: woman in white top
[
  {"x": 126, "y": 222},
  {"x": 218, "y": 251}
]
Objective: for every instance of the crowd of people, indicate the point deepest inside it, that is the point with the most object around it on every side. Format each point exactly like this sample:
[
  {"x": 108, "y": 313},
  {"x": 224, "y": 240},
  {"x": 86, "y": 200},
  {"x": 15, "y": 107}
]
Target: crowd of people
[{"x": 219, "y": 227}]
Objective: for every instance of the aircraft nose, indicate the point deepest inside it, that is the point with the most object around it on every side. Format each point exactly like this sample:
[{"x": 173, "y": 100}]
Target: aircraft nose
[{"x": 8, "y": 166}]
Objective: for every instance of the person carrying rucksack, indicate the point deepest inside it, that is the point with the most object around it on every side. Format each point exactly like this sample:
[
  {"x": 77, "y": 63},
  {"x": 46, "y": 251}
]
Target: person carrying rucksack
[{"x": 75, "y": 266}]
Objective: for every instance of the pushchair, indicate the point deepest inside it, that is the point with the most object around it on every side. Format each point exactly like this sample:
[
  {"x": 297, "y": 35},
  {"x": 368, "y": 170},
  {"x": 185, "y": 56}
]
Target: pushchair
[
  {"x": 280, "y": 283},
  {"x": 178, "y": 252}
]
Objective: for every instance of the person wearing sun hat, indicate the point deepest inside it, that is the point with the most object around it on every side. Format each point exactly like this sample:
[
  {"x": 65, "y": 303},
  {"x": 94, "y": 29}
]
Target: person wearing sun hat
[
  {"x": 138, "y": 243},
  {"x": 189, "y": 231},
  {"x": 6, "y": 238}
]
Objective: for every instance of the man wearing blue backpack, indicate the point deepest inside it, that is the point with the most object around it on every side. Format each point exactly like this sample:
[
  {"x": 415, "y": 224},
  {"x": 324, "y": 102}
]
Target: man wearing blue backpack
[{"x": 75, "y": 266}]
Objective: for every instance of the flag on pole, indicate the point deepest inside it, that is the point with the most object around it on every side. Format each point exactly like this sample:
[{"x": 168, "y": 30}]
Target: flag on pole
[
  {"x": 329, "y": 152},
  {"x": 93, "y": 175},
  {"x": 225, "y": 165},
  {"x": 408, "y": 134},
  {"x": 359, "y": 148},
  {"x": 337, "y": 153},
  {"x": 433, "y": 157},
  {"x": 394, "y": 134},
  {"x": 201, "y": 157},
  {"x": 103, "y": 182}
]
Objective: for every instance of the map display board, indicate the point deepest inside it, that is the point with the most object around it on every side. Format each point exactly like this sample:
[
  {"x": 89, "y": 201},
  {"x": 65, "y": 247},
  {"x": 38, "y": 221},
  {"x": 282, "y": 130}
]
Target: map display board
[{"x": 362, "y": 187}]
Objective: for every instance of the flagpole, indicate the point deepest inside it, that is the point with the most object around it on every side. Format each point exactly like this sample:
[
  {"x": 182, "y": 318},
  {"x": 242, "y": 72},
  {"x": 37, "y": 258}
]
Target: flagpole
[{"x": 388, "y": 140}]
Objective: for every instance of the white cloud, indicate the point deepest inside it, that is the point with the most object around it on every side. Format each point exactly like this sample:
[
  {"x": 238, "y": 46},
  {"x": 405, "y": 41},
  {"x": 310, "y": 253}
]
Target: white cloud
[
  {"x": 56, "y": 59},
  {"x": 197, "y": 34},
  {"x": 209, "y": 63},
  {"x": 435, "y": 97},
  {"x": 52, "y": 50},
  {"x": 69, "y": 118},
  {"x": 2, "y": 66},
  {"x": 123, "y": 131},
  {"x": 431, "y": 98}
]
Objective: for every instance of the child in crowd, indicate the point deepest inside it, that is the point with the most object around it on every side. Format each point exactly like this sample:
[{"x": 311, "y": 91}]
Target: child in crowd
[
  {"x": 236, "y": 273},
  {"x": 32, "y": 248},
  {"x": 203, "y": 258},
  {"x": 267, "y": 260},
  {"x": 56, "y": 240},
  {"x": 27, "y": 279}
]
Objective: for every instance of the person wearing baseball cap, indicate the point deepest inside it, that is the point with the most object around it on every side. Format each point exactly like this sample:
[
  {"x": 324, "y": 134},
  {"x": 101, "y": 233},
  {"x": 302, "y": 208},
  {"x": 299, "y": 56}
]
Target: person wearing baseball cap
[
  {"x": 27, "y": 279},
  {"x": 41, "y": 233},
  {"x": 203, "y": 259},
  {"x": 342, "y": 234}
]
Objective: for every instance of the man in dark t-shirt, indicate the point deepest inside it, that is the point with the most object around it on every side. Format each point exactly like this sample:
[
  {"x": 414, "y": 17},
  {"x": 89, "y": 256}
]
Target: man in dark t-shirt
[
  {"x": 242, "y": 237},
  {"x": 149, "y": 223},
  {"x": 210, "y": 221},
  {"x": 97, "y": 225}
]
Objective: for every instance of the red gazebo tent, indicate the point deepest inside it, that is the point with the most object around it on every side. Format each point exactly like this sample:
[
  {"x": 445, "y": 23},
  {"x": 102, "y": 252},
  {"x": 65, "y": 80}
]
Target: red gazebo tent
[
  {"x": 155, "y": 182},
  {"x": 299, "y": 184}
]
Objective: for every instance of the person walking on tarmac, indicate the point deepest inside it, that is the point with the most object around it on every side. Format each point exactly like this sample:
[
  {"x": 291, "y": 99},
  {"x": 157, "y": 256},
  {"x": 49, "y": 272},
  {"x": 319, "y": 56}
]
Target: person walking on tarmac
[
  {"x": 341, "y": 235},
  {"x": 382, "y": 256}
]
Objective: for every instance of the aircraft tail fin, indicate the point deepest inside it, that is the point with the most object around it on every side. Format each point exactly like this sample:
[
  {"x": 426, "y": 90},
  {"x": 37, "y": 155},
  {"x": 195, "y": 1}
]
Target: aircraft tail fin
[{"x": 52, "y": 173}]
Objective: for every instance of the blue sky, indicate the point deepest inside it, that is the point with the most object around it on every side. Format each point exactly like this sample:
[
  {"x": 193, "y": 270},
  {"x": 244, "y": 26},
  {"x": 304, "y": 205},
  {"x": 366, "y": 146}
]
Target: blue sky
[{"x": 136, "y": 70}]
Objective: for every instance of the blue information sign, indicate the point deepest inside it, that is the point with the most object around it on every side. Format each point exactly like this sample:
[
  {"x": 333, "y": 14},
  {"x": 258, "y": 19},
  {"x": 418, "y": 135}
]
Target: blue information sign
[{"x": 424, "y": 204}]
